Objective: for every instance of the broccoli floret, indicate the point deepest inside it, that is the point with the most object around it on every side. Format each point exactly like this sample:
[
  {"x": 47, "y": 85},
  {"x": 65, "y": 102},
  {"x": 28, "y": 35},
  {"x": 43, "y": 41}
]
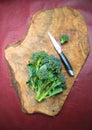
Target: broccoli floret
[
  {"x": 64, "y": 38},
  {"x": 45, "y": 77}
]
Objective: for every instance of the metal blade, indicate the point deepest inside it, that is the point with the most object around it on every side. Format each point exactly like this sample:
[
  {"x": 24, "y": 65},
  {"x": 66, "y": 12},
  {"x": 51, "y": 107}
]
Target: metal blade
[{"x": 55, "y": 43}]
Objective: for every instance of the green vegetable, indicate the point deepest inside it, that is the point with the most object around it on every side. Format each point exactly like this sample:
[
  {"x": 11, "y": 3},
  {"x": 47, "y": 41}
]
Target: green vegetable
[
  {"x": 64, "y": 38},
  {"x": 45, "y": 77}
]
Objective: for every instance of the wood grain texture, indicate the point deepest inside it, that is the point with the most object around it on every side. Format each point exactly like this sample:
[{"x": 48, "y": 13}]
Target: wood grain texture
[{"x": 57, "y": 21}]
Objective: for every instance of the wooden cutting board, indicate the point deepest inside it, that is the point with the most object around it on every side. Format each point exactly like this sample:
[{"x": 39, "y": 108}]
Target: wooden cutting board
[{"x": 57, "y": 21}]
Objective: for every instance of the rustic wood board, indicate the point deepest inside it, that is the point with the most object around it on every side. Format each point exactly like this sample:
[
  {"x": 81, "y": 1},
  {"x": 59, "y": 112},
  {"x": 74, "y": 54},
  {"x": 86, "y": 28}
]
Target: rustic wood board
[{"x": 57, "y": 21}]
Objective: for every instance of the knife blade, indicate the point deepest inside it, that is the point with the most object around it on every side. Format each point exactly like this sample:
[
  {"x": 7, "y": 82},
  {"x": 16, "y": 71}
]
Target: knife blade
[{"x": 62, "y": 55}]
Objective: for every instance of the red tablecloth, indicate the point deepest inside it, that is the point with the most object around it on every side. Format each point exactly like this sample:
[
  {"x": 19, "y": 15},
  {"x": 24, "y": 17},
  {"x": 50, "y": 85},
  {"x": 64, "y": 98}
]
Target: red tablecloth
[{"x": 76, "y": 114}]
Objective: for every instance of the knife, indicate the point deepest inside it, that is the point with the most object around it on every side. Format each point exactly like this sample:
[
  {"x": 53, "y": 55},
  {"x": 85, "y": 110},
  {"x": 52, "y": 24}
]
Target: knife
[{"x": 62, "y": 55}]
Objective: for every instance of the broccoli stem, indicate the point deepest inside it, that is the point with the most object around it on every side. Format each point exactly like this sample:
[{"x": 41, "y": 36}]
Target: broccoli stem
[
  {"x": 41, "y": 89},
  {"x": 38, "y": 64},
  {"x": 47, "y": 93}
]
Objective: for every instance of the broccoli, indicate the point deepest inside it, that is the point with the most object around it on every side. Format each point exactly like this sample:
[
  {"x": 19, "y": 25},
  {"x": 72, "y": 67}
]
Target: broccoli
[
  {"x": 64, "y": 38},
  {"x": 45, "y": 77}
]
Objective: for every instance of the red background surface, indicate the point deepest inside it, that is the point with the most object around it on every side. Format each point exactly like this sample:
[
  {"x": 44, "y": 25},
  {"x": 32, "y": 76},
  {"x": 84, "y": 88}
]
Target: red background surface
[{"x": 77, "y": 110}]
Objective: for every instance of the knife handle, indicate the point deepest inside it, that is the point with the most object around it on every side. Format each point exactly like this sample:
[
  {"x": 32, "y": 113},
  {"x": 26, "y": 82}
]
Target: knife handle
[{"x": 66, "y": 64}]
